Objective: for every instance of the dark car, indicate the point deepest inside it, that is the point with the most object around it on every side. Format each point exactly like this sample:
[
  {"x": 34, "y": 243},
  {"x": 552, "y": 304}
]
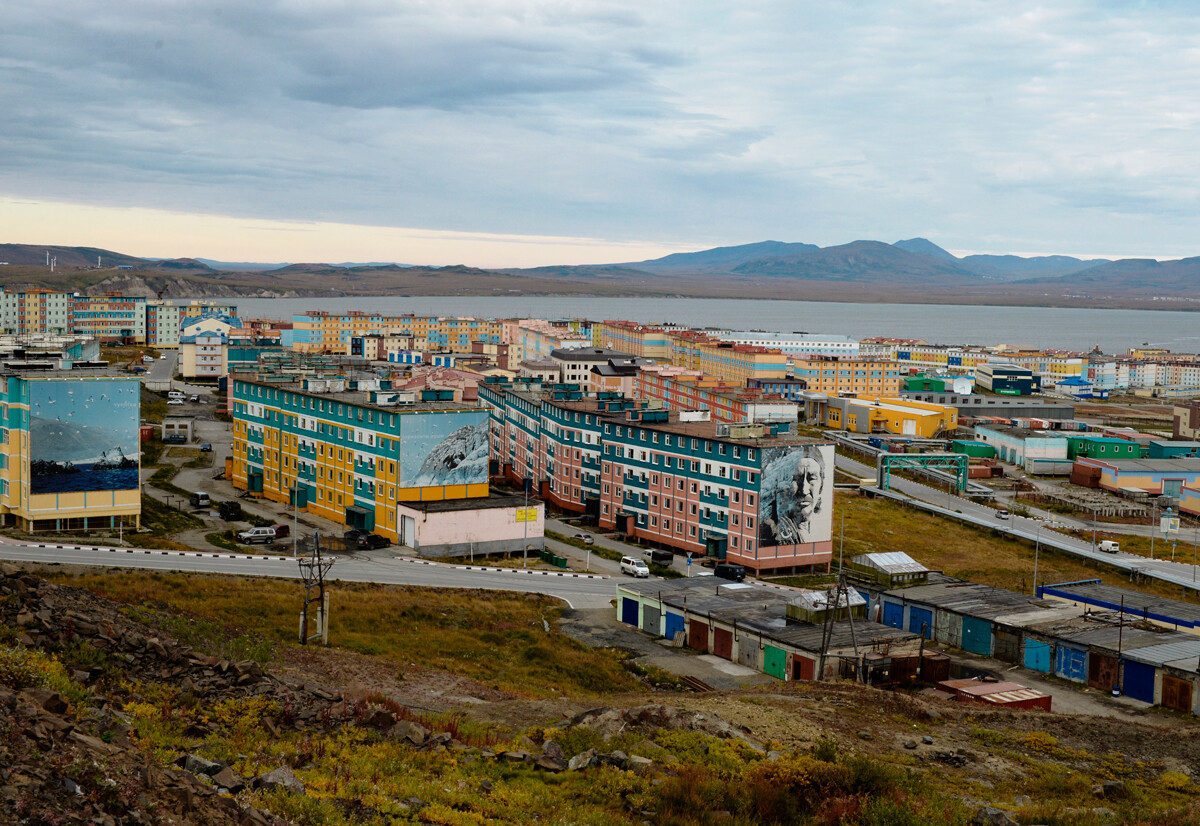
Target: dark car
[
  {"x": 661, "y": 557},
  {"x": 353, "y": 534},
  {"x": 206, "y": 447},
  {"x": 174, "y": 440},
  {"x": 371, "y": 541},
  {"x": 728, "y": 570},
  {"x": 230, "y": 511}
]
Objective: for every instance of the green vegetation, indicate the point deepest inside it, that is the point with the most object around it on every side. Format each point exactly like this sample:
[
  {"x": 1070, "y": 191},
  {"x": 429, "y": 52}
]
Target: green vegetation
[
  {"x": 497, "y": 638},
  {"x": 29, "y": 668},
  {"x": 224, "y": 539},
  {"x": 979, "y": 554},
  {"x": 603, "y": 553},
  {"x": 154, "y": 406}
]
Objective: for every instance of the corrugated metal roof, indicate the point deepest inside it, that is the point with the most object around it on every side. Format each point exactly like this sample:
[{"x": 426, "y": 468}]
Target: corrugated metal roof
[
  {"x": 1163, "y": 653},
  {"x": 892, "y": 562},
  {"x": 820, "y": 600},
  {"x": 1147, "y": 605}
]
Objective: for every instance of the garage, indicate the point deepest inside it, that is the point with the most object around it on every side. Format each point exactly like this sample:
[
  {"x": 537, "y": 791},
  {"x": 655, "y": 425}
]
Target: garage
[
  {"x": 977, "y": 636},
  {"x": 775, "y": 662},
  {"x": 1037, "y": 655},
  {"x": 1007, "y": 645},
  {"x": 629, "y": 611},
  {"x": 748, "y": 651},
  {"x": 893, "y": 614},
  {"x": 1071, "y": 664},
  {"x": 920, "y": 621},
  {"x": 1103, "y": 671},
  {"x": 1139, "y": 681},
  {"x": 698, "y": 634},
  {"x": 803, "y": 668},
  {"x": 1177, "y": 694},
  {"x": 723, "y": 643},
  {"x": 650, "y": 619},
  {"x": 948, "y": 628},
  {"x": 674, "y": 625}
]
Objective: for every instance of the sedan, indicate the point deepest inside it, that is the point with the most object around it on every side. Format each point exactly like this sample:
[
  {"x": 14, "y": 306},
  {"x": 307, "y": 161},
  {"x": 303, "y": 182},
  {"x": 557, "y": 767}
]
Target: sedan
[
  {"x": 206, "y": 447},
  {"x": 371, "y": 541},
  {"x": 585, "y": 538}
]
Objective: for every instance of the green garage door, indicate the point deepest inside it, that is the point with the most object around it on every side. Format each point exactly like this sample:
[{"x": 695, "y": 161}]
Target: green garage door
[{"x": 774, "y": 662}]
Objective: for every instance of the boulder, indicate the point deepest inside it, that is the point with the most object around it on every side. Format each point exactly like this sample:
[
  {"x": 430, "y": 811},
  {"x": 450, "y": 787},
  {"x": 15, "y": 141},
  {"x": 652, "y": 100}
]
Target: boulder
[
  {"x": 551, "y": 764},
  {"x": 410, "y": 732},
  {"x": 1109, "y": 790},
  {"x": 583, "y": 760},
  {"x": 282, "y": 777},
  {"x": 989, "y": 816},
  {"x": 638, "y": 763},
  {"x": 379, "y": 719},
  {"x": 226, "y": 779},
  {"x": 47, "y": 699},
  {"x": 515, "y": 756},
  {"x": 552, "y": 749},
  {"x": 198, "y": 765}
]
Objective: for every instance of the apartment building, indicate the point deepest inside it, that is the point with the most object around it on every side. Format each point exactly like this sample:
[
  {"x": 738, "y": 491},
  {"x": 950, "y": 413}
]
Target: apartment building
[
  {"x": 865, "y": 377},
  {"x": 641, "y": 341},
  {"x": 319, "y": 331},
  {"x": 724, "y": 360},
  {"x": 792, "y": 344},
  {"x": 28, "y": 312},
  {"x": 355, "y": 450},
  {"x": 757, "y": 495},
  {"x": 534, "y": 339},
  {"x": 677, "y": 388},
  {"x": 70, "y": 450},
  {"x": 111, "y": 317},
  {"x": 163, "y": 323},
  {"x": 204, "y": 356},
  {"x": 199, "y": 307}
]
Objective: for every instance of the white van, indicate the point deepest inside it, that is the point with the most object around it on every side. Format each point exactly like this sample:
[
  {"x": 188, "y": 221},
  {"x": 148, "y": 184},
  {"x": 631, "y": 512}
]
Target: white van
[
  {"x": 175, "y": 394},
  {"x": 1108, "y": 546},
  {"x": 634, "y": 567}
]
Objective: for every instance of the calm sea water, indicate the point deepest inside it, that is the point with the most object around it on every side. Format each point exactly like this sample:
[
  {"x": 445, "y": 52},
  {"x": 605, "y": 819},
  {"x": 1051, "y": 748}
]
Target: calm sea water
[{"x": 1070, "y": 329}]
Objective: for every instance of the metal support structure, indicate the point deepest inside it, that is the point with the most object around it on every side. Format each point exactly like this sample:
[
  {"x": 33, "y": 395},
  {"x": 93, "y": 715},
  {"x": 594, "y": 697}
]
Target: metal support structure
[
  {"x": 885, "y": 463},
  {"x": 833, "y": 601},
  {"x": 313, "y": 570}
]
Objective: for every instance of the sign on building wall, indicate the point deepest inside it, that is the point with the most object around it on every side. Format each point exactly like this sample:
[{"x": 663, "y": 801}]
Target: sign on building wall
[
  {"x": 526, "y": 514},
  {"x": 795, "y": 502},
  {"x": 444, "y": 449},
  {"x": 83, "y": 435}
]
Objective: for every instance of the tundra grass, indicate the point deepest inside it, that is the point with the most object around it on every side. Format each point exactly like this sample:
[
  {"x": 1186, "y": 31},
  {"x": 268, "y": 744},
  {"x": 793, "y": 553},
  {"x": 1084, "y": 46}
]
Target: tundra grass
[
  {"x": 978, "y": 554},
  {"x": 497, "y": 637}
]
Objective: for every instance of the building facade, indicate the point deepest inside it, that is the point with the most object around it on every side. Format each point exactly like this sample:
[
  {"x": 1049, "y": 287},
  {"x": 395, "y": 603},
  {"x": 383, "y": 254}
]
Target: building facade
[
  {"x": 753, "y": 494},
  {"x": 70, "y": 458},
  {"x": 37, "y": 311},
  {"x": 352, "y": 450},
  {"x": 163, "y": 322},
  {"x": 832, "y": 376}
]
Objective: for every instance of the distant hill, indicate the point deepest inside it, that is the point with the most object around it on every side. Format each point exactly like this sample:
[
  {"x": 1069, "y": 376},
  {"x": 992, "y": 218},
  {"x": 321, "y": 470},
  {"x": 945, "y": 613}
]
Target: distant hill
[
  {"x": 1132, "y": 276},
  {"x": 32, "y": 255},
  {"x": 179, "y": 264},
  {"x": 863, "y": 262},
  {"x": 923, "y": 246},
  {"x": 1016, "y": 268},
  {"x": 719, "y": 258}
]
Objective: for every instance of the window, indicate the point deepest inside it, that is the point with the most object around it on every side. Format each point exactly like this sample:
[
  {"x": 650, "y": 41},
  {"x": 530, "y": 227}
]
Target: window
[
  {"x": 691, "y": 530},
  {"x": 750, "y": 499},
  {"x": 736, "y": 497}
]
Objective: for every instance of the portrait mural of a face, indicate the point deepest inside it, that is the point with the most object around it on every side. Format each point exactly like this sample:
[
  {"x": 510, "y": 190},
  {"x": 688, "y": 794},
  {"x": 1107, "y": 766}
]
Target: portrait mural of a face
[{"x": 796, "y": 497}]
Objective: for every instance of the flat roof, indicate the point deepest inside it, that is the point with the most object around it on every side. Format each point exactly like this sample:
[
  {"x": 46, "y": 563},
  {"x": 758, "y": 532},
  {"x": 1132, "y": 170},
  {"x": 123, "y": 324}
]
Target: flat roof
[
  {"x": 480, "y": 503},
  {"x": 1146, "y": 606},
  {"x": 1190, "y": 465},
  {"x": 362, "y": 398}
]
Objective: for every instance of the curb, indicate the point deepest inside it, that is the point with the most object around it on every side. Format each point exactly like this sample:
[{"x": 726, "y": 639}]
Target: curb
[
  {"x": 160, "y": 553},
  {"x": 498, "y": 570}
]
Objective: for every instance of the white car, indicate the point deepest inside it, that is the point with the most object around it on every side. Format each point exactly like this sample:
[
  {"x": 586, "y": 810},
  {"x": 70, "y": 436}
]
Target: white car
[
  {"x": 634, "y": 567},
  {"x": 175, "y": 401}
]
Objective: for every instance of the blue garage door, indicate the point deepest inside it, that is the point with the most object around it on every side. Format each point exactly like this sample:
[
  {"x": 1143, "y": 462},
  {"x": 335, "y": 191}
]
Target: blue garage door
[
  {"x": 674, "y": 624},
  {"x": 1037, "y": 655},
  {"x": 977, "y": 636},
  {"x": 918, "y": 617},
  {"x": 893, "y": 614},
  {"x": 1071, "y": 664},
  {"x": 1139, "y": 681},
  {"x": 629, "y": 610}
]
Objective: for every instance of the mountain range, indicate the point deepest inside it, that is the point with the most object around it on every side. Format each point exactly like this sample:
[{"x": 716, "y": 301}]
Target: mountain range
[{"x": 909, "y": 270}]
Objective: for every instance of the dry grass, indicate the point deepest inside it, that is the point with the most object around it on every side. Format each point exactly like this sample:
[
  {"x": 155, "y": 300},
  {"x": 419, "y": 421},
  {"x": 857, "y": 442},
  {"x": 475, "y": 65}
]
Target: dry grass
[
  {"x": 498, "y": 638},
  {"x": 977, "y": 554}
]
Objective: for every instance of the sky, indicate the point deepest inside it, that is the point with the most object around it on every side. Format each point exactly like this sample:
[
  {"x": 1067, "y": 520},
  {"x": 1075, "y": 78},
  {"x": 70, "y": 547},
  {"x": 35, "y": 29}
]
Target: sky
[{"x": 500, "y": 133}]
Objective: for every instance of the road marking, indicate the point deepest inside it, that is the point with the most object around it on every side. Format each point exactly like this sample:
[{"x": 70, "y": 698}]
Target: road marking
[{"x": 151, "y": 551}]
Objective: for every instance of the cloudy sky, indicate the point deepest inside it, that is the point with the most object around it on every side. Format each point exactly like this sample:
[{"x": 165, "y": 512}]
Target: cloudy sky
[{"x": 496, "y": 132}]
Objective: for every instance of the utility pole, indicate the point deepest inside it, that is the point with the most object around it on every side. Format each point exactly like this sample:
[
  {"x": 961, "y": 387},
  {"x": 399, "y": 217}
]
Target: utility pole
[
  {"x": 525, "y": 515},
  {"x": 1037, "y": 548},
  {"x": 313, "y": 571}
]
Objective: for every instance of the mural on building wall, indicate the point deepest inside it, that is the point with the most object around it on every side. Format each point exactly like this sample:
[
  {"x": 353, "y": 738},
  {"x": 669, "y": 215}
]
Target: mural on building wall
[
  {"x": 83, "y": 435},
  {"x": 796, "y": 497},
  {"x": 444, "y": 449}
]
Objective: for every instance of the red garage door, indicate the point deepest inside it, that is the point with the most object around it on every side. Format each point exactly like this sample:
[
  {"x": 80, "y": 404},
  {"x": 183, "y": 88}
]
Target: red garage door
[
  {"x": 723, "y": 643},
  {"x": 698, "y": 635},
  {"x": 802, "y": 668}
]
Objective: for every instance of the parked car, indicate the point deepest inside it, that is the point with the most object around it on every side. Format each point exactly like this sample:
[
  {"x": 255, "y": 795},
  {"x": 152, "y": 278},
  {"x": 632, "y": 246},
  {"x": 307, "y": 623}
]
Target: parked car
[
  {"x": 729, "y": 570},
  {"x": 634, "y": 567},
  {"x": 206, "y": 447},
  {"x": 200, "y": 499},
  {"x": 147, "y": 359},
  {"x": 282, "y": 530},
  {"x": 174, "y": 401},
  {"x": 230, "y": 511},
  {"x": 193, "y": 398},
  {"x": 661, "y": 557},
  {"x": 585, "y": 538},
  {"x": 174, "y": 439},
  {"x": 163, "y": 357},
  {"x": 253, "y": 535},
  {"x": 1003, "y": 514},
  {"x": 352, "y": 535},
  {"x": 371, "y": 541}
]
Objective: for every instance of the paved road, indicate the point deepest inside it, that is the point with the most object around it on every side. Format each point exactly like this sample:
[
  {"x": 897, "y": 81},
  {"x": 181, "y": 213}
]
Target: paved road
[
  {"x": 956, "y": 507},
  {"x": 581, "y": 592}
]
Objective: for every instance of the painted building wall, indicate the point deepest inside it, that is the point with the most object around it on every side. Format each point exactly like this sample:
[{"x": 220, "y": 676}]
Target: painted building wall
[{"x": 481, "y": 530}]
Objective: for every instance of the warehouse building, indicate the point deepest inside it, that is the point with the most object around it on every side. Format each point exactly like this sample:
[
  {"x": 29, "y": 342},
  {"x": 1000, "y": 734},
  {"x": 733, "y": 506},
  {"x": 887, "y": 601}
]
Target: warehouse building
[
  {"x": 1007, "y": 379},
  {"x": 1166, "y": 477},
  {"x": 900, "y": 417}
]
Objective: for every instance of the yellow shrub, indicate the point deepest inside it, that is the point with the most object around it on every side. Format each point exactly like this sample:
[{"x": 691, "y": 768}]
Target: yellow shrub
[{"x": 1175, "y": 781}]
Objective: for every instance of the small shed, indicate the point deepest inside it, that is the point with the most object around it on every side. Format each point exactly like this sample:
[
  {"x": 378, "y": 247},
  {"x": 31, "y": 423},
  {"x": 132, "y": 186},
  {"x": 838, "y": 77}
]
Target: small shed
[
  {"x": 173, "y": 426},
  {"x": 895, "y": 569},
  {"x": 999, "y": 693}
]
